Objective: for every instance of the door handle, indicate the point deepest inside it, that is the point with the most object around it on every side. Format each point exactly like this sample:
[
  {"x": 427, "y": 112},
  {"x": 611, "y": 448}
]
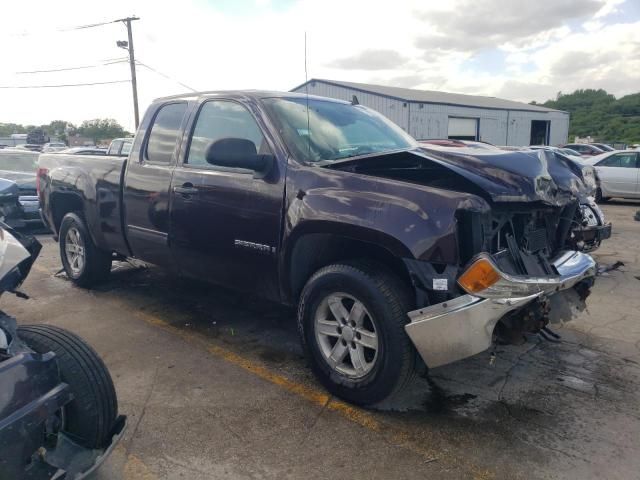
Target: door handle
[{"x": 186, "y": 190}]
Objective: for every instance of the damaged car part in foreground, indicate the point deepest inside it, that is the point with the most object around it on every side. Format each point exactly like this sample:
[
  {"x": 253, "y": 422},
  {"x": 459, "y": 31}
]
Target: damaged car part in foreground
[
  {"x": 58, "y": 408},
  {"x": 390, "y": 251}
]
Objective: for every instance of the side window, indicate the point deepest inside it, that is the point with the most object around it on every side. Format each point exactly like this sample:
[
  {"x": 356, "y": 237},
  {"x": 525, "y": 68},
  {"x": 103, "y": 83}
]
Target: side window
[
  {"x": 627, "y": 160},
  {"x": 164, "y": 133},
  {"x": 114, "y": 148},
  {"x": 126, "y": 147},
  {"x": 223, "y": 119},
  {"x": 612, "y": 161}
]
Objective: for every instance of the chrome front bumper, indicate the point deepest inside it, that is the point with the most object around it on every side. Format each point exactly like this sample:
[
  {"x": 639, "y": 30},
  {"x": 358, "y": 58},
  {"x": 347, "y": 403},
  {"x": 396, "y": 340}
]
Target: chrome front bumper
[{"x": 462, "y": 327}]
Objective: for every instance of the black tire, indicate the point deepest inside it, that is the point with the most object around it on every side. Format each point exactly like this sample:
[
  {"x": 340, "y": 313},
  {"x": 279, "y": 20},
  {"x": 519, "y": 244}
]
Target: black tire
[
  {"x": 90, "y": 416},
  {"x": 97, "y": 263},
  {"x": 385, "y": 298},
  {"x": 599, "y": 198}
]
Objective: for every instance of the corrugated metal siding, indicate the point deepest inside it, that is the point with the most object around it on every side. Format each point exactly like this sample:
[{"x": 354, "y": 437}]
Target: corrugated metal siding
[
  {"x": 520, "y": 127},
  {"x": 392, "y": 109},
  {"x": 429, "y": 121}
]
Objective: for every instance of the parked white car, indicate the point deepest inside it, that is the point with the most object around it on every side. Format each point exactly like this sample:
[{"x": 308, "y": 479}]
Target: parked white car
[
  {"x": 617, "y": 174},
  {"x": 53, "y": 147}
]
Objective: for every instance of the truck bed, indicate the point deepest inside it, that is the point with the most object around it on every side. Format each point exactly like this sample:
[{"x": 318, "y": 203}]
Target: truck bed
[{"x": 93, "y": 185}]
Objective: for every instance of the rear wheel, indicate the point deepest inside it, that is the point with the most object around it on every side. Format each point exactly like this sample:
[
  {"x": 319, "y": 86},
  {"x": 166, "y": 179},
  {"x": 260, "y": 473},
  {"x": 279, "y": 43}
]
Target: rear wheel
[
  {"x": 84, "y": 263},
  {"x": 89, "y": 418},
  {"x": 351, "y": 319}
]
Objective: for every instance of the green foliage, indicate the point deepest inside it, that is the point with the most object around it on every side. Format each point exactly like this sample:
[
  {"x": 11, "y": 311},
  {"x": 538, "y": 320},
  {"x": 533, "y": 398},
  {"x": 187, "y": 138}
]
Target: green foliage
[
  {"x": 7, "y": 129},
  {"x": 97, "y": 129},
  {"x": 600, "y": 115},
  {"x": 101, "y": 129}
]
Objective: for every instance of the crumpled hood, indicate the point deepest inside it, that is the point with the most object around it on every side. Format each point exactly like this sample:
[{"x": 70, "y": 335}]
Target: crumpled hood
[
  {"x": 510, "y": 176},
  {"x": 503, "y": 176}
]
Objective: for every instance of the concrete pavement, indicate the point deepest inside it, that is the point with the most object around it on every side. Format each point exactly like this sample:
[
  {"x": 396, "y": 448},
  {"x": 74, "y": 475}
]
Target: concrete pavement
[{"x": 215, "y": 386}]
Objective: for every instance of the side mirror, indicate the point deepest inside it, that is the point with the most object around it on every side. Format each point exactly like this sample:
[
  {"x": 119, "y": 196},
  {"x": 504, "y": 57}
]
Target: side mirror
[{"x": 238, "y": 153}]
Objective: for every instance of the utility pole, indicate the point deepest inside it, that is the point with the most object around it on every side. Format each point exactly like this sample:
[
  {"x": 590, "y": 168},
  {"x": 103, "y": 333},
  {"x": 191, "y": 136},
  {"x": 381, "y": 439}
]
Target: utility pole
[{"x": 128, "y": 45}]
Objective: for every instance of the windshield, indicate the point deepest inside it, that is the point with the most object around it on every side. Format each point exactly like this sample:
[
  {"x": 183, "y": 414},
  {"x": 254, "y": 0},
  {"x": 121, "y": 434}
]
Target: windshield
[
  {"x": 334, "y": 131},
  {"x": 18, "y": 161}
]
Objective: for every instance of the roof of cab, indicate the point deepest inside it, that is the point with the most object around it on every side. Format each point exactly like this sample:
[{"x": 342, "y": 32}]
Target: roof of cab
[{"x": 248, "y": 94}]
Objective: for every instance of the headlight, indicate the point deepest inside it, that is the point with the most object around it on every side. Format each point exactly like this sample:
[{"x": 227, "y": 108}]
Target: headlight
[
  {"x": 597, "y": 210},
  {"x": 589, "y": 216}
]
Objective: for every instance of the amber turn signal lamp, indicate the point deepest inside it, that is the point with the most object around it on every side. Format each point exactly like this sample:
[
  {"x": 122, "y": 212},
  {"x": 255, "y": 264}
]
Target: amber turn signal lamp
[{"x": 479, "y": 276}]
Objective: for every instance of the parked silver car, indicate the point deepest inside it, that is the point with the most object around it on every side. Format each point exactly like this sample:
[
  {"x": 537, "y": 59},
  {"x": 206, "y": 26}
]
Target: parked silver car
[
  {"x": 53, "y": 147},
  {"x": 617, "y": 174}
]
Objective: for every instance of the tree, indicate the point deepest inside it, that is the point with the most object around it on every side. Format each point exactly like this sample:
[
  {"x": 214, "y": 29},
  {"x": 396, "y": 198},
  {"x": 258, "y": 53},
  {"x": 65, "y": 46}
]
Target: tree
[
  {"x": 7, "y": 129},
  {"x": 101, "y": 129},
  {"x": 600, "y": 115},
  {"x": 60, "y": 129}
]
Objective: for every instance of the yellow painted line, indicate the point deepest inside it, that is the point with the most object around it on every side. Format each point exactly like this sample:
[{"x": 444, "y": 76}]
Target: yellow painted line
[
  {"x": 135, "y": 469},
  {"x": 393, "y": 435}
]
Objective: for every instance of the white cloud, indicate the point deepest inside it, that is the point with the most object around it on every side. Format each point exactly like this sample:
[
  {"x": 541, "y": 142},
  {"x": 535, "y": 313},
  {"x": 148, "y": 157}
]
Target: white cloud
[
  {"x": 263, "y": 47},
  {"x": 609, "y": 7}
]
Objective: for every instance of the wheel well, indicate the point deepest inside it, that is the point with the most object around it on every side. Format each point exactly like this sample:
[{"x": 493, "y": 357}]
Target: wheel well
[
  {"x": 316, "y": 250},
  {"x": 63, "y": 204}
]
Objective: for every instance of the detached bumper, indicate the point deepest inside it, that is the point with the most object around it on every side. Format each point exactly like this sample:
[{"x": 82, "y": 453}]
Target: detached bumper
[{"x": 462, "y": 327}]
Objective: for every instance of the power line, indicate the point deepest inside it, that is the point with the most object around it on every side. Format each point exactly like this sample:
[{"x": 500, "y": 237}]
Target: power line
[
  {"x": 114, "y": 62},
  {"x": 64, "y": 85},
  {"x": 138, "y": 62},
  {"x": 71, "y": 28},
  {"x": 89, "y": 25}
]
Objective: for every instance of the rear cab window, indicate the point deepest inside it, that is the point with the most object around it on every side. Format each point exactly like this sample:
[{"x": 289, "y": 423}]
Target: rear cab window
[
  {"x": 165, "y": 130},
  {"x": 114, "y": 148},
  {"x": 126, "y": 147}
]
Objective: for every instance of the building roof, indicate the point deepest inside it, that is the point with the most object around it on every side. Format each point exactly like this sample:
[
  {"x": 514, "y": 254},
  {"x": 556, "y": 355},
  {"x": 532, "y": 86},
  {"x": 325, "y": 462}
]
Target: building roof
[{"x": 432, "y": 96}]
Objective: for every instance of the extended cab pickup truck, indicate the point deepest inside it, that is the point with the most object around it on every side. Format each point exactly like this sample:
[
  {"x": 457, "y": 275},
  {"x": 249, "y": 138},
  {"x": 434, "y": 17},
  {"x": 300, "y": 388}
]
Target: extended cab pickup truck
[{"x": 397, "y": 256}]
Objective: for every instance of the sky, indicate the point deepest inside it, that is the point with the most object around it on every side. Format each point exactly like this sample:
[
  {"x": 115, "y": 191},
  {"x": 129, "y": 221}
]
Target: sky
[{"x": 516, "y": 49}]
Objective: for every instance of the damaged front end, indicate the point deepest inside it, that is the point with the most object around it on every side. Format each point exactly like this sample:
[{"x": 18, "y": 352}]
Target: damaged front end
[
  {"x": 466, "y": 325},
  {"x": 522, "y": 267},
  {"x": 521, "y": 264}
]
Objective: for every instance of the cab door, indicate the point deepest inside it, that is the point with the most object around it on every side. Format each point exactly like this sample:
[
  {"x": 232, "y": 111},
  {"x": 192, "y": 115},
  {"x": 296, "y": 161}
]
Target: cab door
[
  {"x": 148, "y": 182},
  {"x": 226, "y": 221}
]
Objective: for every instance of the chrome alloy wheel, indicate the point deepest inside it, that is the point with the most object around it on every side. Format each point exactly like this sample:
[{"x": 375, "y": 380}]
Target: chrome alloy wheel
[
  {"x": 346, "y": 334},
  {"x": 74, "y": 250}
]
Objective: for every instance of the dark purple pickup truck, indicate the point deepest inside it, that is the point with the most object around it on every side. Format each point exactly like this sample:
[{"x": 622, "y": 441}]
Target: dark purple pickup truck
[{"x": 397, "y": 256}]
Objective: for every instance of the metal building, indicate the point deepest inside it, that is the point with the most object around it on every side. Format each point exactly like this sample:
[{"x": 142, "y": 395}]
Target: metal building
[{"x": 426, "y": 114}]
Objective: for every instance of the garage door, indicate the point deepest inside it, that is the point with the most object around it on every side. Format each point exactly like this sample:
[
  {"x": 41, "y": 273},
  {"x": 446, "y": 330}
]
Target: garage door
[{"x": 463, "y": 128}]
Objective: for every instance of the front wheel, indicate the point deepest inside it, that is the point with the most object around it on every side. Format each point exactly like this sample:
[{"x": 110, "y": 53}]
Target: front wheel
[
  {"x": 84, "y": 263},
  {"x": 599, "y": 198},
  {"x": 351, "y": 319}
]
